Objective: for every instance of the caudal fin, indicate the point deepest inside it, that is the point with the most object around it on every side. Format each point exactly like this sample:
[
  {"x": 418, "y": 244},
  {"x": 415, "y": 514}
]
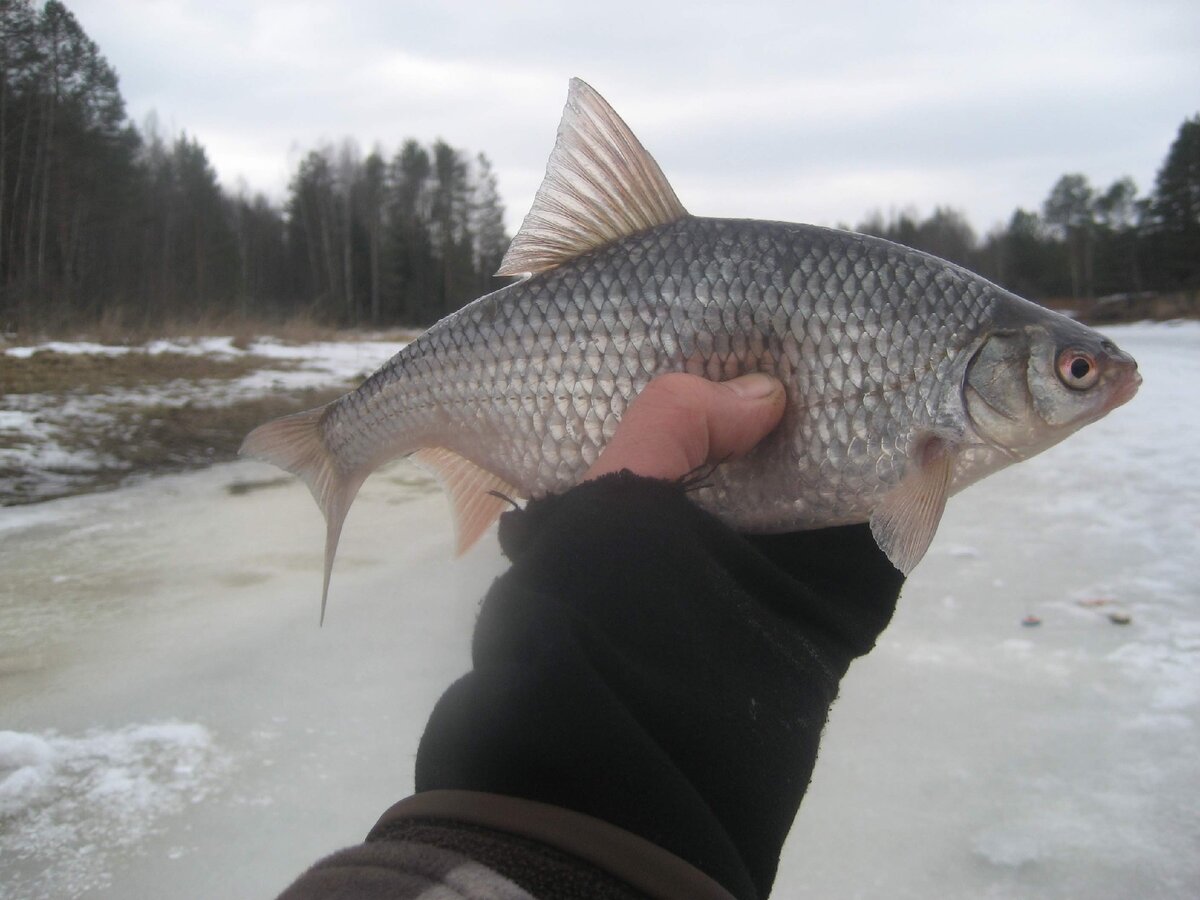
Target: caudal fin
[{"x": 294, "y": 443}]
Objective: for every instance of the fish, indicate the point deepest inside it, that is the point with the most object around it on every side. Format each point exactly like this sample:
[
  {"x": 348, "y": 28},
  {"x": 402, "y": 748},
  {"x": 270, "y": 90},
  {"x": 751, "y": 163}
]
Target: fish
[{"x": 907, "y": 377}]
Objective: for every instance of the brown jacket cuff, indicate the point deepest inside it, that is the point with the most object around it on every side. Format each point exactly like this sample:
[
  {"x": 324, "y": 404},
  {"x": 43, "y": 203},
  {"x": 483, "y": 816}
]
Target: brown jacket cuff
[{"x": 640, "y": 864}]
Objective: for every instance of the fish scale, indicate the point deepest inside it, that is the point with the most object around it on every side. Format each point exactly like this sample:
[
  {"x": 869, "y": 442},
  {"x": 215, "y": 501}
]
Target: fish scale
[
  {"x": 561, "y": 337},
  {"x": 907, "y": 377}
]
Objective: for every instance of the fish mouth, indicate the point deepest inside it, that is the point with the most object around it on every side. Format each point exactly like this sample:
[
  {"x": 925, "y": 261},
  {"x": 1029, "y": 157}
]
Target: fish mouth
[
  {"x": 1124, "y": 373},
  {"x": 1127, "y": 389},
  {"x": 1123, "y": 370}
]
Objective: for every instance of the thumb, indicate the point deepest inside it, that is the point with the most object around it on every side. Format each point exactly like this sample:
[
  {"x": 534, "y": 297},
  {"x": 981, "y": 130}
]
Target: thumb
[
  {"x": 741, "y": 413},
  {"x": 680, "y": 422}
]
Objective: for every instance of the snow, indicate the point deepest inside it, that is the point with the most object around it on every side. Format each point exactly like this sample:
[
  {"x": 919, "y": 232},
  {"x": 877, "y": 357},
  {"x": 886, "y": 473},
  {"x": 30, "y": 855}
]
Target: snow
[
  {"x": 178, "y": 719},
  {"x": 33, "y": 426},
  {"x": 67, "y": 803},
  {"x": 69, "y": 347},
  {"x": 329, "y": 353}
]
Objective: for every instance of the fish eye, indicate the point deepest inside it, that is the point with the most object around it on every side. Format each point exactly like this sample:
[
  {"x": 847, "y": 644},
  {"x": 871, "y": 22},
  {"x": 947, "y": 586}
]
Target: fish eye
[{"x": 1077, "y": 369}]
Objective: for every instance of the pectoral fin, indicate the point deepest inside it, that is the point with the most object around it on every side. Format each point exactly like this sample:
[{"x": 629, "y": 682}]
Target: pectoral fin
[
  {"x": 470, "y": 490},
  {"x": 905, "y": 521}
]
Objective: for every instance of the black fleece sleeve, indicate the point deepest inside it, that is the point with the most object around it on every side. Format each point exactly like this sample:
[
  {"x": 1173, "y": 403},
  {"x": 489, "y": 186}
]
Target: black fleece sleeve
[{"x": 642, "y": 663}]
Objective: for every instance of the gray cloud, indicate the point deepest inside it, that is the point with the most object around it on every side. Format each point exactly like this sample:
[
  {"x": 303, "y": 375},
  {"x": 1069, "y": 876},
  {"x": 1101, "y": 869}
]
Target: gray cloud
[{"x": 818, "y": 112}]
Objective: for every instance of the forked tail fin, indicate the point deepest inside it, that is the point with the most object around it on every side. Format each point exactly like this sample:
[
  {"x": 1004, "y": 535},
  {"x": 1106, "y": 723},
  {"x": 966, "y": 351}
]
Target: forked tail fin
[{"x": 294, "y": 443}]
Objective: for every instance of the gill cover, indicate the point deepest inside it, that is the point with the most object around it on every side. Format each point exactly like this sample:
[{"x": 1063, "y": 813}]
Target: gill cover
[{"x": 995, "y": 392}]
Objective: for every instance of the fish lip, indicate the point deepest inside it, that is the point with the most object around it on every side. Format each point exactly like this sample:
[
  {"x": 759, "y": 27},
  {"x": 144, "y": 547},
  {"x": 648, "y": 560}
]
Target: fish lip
[
  {"x": 1128, "y": 389},
  {"x": 1124, "y": 372}
]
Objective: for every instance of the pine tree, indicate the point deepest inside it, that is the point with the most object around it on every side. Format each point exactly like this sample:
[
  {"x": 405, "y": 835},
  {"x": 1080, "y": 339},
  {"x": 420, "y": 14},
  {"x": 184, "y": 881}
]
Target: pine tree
[
  {"x": 409, "y": 239},
  {"x": 450, "y": 220},
  {"x": 311, "y": 214},
  {"x": 1116, "y": 256},
  {"x": 18, "y": 56},
  {"x": 1069, "y": 211},
  {"x": 491, "y": 239},
  {"x": 347, "y": 177},
  {"x": 374, "y": 195},
  {"x": 1176, "y": 208}
]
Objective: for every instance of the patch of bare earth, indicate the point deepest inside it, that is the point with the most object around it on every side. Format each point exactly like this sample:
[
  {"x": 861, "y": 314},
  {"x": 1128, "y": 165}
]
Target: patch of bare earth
[{"x": 48, "y": 372}]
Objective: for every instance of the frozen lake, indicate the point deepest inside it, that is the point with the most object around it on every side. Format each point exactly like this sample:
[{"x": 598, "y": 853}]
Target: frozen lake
[{"x": 174, "y": 723}]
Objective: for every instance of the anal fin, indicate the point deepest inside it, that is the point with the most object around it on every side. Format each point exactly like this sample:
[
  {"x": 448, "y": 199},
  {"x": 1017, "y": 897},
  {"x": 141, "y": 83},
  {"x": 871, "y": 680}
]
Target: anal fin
[
  {"x": 905, "y": 521},
  {"x": 470, "y": 489}
]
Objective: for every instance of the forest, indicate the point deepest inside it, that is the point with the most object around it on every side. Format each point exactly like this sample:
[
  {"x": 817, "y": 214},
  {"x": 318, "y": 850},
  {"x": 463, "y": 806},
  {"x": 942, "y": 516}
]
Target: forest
[{"x": 102, "y": 220}]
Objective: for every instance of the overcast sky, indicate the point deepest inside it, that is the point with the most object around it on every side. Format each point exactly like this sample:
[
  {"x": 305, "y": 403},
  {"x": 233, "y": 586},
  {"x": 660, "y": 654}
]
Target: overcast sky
[{"x": 803, "y": 111}]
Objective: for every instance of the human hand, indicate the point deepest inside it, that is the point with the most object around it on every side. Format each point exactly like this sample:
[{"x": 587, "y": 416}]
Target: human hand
[{"x": 680, "y": 422}]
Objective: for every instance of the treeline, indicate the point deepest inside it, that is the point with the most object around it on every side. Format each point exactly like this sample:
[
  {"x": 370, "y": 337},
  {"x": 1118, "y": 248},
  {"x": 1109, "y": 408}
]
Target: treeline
[
  {"x": 407, "y": 240},
  {"x": 1084, "y": 242},
  {"x": 99, "y": 218}
]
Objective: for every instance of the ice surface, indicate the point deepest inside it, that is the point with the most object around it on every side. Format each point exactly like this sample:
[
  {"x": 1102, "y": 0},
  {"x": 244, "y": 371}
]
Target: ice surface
[
  {"x": 175, "y": 599},
  {"x": 68, "y": 803},
  {"x": 966, "y": 757},
  {"x": 969, "y": 757}
]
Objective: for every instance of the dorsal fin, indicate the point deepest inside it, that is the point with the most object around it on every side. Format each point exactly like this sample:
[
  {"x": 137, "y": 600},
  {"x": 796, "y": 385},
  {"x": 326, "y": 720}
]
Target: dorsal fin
[{"x": 600, "y": 186}]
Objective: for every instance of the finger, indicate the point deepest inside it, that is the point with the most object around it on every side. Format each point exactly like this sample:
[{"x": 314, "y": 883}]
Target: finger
[
  {"x": 680, "y": 422},
  {"x": 741, "y": 413}
]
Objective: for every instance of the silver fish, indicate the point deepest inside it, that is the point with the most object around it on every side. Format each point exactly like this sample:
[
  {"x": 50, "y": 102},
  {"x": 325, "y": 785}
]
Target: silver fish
[{"x": 908, "y": 378}]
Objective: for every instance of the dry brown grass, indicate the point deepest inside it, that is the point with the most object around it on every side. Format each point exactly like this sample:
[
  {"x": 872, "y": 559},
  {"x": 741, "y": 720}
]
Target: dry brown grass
[
  {"x": 48, "y": 372},
  {"x": 117, "y": 327},
  {"x": 1149, "y": 306},
  {"x": 158, "y": 438}
]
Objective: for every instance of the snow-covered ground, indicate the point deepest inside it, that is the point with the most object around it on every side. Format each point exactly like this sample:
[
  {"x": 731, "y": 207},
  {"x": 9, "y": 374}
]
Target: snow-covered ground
[
  {"x": 173, "y": 723},
  {"x": 39, "y": 446}
]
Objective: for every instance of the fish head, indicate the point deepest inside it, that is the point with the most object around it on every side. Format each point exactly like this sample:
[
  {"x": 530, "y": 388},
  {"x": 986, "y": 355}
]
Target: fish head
[{"x": 1037, "y": 377}]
